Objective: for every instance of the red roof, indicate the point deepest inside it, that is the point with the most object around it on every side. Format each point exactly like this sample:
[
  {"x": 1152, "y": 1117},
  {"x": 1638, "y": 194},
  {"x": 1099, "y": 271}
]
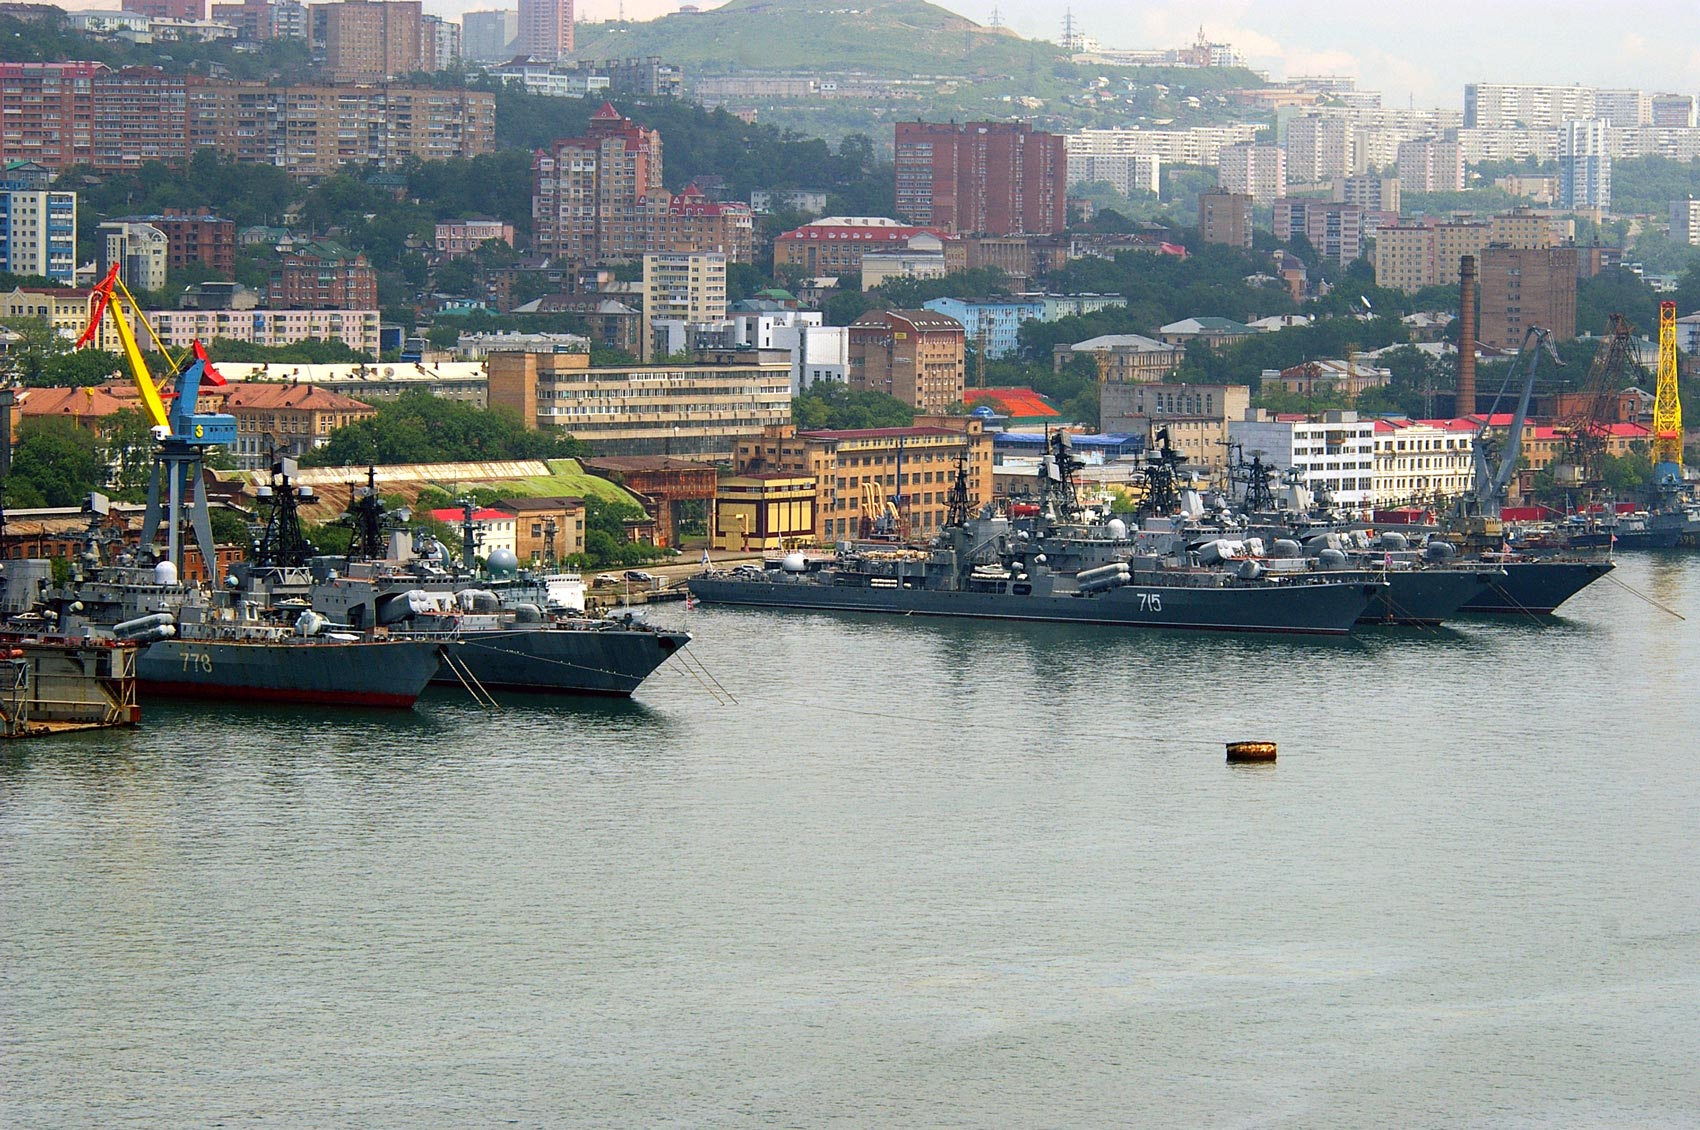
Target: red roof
[
  {"x": 895, "y": 233},
  {"x": 453, "y": 515},
  {"x": 1018, "y": 402}
]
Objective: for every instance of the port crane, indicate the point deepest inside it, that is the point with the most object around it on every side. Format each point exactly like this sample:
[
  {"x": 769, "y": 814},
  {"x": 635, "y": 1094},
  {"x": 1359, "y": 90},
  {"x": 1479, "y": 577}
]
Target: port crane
[
  {"x": 1667, "y": 407},
  {"x": 176, "y": 485},
  {"x": 1494, "y": 466},
  {"x": 1587, "y": 430}
]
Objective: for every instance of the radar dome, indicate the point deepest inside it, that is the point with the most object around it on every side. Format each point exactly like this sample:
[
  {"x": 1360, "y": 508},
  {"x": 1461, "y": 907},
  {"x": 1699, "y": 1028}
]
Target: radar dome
[
  {"x": 795, "y": 563},
  {"x": 502, "y": 562},
  {"x": 165, "y": 573},
  {"x": 1118, "y": 529}
]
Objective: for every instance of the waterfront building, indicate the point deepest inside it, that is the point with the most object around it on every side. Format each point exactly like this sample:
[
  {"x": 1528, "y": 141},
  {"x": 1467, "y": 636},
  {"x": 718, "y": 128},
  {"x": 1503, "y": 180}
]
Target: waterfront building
[
  {"x": 1422, "y": 460},
  {"x": 645, "y": 409},
  {"x": 996, "y": 178},
  {"x": 918, "y": 356},
  {"x": 493, "y": 528},
  {"x": 767, "y": 511},
  {"x": 912, "y": 467},
  {"x": 1196, "y": 416},
  {"x": 1333, "y": 453},
  {"x": 545, "y": 529}
]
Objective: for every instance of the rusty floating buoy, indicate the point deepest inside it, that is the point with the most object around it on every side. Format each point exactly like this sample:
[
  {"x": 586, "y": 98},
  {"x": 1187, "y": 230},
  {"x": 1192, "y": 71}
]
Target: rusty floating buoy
[{"x": 1251, "y": 751}]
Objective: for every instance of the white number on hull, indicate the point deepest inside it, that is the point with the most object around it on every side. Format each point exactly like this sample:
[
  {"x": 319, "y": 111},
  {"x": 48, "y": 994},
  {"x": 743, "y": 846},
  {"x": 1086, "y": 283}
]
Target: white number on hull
[
  {"x": 1150, "y": 602},
  {"x": 199, "y": 661}
]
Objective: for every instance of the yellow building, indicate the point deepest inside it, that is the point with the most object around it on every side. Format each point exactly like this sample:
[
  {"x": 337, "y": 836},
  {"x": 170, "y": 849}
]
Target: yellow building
[
  {"x": 66, "y": 309},
  {"x": 641, "y": 409},
  {"x": 913, "y": 468},
  {"x": 773, "y": 510}
]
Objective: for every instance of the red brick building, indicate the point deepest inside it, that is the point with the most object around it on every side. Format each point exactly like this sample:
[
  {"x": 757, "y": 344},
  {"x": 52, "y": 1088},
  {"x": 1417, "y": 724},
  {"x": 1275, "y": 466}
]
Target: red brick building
[
  {"x": 588, "y": 193},
  {"x": 324, "y": 276},
  {"x": 167, "y": 9},
  {"x": 988, "y": 178},
  {"x": 915, "y": 355}
]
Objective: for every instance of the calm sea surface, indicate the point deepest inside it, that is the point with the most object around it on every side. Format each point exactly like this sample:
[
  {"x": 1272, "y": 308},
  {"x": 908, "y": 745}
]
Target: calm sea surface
[{"x": 923, "y": 874}]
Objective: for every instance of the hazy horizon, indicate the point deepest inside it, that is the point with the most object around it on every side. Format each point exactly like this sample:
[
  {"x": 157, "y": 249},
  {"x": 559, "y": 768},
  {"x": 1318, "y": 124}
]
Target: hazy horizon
[{"x": 1426, "y": 61}]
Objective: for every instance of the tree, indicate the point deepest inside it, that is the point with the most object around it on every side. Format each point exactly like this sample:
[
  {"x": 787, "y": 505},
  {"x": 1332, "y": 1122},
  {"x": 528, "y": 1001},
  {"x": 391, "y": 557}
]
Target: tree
[
  {"x": 832, "y": 404},
  {"x": 56, "y": 462},
  {"x": 421, "y": 428}
]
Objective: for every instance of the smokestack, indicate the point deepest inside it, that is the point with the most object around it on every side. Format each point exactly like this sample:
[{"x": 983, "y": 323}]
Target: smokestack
[{"x": 1466, "y": 397}]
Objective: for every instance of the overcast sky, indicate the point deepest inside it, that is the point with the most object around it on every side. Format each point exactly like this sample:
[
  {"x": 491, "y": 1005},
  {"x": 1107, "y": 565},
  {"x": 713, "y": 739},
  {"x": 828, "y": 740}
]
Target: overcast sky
[{"x": 1423, "y": 51}]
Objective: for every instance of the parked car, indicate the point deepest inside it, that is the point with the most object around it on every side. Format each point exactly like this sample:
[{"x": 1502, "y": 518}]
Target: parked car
[{"x": 639, "y": 576}]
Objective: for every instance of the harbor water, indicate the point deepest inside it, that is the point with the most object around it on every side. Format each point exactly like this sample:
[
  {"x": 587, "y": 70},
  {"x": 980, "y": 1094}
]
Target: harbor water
[{"x": 922, "y": 873}]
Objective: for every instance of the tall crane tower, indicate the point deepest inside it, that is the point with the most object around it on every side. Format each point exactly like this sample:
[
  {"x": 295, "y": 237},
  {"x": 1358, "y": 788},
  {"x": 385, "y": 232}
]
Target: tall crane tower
[{"x": 1667, "y": 405}]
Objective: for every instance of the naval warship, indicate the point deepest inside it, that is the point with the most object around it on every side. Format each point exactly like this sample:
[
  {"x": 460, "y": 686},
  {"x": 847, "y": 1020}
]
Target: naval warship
[{"x": 982, "y": 567}]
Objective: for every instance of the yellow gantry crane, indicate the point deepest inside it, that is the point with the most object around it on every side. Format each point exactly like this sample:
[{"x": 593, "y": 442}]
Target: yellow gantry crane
[{"x": 1667, "y": 405}]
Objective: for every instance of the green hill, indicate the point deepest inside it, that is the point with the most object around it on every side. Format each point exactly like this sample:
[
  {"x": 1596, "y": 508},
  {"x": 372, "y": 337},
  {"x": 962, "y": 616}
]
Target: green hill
[{"x": 887, "y": 37}]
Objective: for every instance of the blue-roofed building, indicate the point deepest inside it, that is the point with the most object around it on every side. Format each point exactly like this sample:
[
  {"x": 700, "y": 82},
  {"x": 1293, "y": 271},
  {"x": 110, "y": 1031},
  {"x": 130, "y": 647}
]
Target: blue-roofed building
[
  {"x": 1111, "y": 445},
  {"x": 990, "y": 324}
]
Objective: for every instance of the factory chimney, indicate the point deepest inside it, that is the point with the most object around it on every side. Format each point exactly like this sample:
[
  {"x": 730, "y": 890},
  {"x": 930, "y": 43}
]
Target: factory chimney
[{"x": 1466, "y": 399}]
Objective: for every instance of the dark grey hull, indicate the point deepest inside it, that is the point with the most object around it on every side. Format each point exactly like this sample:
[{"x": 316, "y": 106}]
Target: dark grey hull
[
  {"x": 1537, "y": 587},
  {"x": 1428, "y": 596},
  {"x": 1317, "y": 609},
  {"x": 373, "y": 673},
  {"x": 601, "y": 661}
]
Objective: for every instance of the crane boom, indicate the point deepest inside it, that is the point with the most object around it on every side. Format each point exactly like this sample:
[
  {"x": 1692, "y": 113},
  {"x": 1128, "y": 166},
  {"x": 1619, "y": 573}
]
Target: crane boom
[
  {"x": 1667, "y": 405},
  {"x": 1493, "y": 475},
  {"x": 110, "y": 295}
]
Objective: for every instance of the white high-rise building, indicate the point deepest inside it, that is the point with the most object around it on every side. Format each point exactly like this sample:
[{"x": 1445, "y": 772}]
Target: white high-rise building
[
  {"x": 1320, "y": 149},
  {"x": 1624, "y": 108},
  {"x": 1431, "y": 166},
  {"x": 1584, "y": 165},
  {"x": 1257, "y": 171},
  {"x": 688, "y": 286},
  {"x": 1493, "y": 105}
]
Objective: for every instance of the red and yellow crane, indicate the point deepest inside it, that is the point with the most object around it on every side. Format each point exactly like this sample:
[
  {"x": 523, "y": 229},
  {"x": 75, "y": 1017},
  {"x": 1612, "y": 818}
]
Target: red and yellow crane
[{"x": 1667, "y": 405}]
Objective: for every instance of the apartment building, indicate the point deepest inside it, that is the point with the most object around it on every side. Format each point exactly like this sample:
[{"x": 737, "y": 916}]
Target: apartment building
[
  {"x": 1321, "y": 149},
  {"x": 918, "y": 356},
  {"x": 490, "y": 36},
  {"x": 546, "y": 28},
  {"x": 1128, "y": 173},
  {"x": 835, "y": 245},
  {"x": 286, "y": 419},
  {"x": 691, "y": 221},
  {"x": 194, "y": 238},
  {"x": 994, "y": 178},
  {"x": 1685, "y": 221},
  {"x": 358, "y": 329},
  {"x": 1335, "y": 229},
  {"x": 642, "y": 410},
  {"x": 323, "y": 275},
  {"x": 1624, "y": 108},
  {"x": 1431, "y": 166},
  {"x": 1523, "y": 287},
  {"x": 991, "y": 325},
  {"x": 372, "y": 40},
  {"x": 1371, "y": 193},
  {"x": 83, "y": 113},
  {"x": 139, "y": 251},
  {"x": 1584, "y": 165},
  {"x": 1507, "y": 106},
  {"x": 687, "y": 286},
  {"x": 1258, "y": 171},
  {"x": 914, "y": 468},
  {"x": 545, "y": 529},
  {"x": 38, "y": 233},
  {"x": 588, "y": 192},
  {"x": 1200, "y": 145}
]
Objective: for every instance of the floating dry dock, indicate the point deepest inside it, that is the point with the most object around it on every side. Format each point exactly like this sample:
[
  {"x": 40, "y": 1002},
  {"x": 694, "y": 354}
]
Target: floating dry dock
[{"x": 64, "y": 686}]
